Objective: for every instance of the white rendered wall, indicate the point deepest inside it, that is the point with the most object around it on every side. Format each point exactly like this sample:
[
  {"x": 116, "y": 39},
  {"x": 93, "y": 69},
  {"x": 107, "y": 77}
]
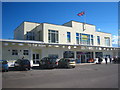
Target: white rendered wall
[
  {"x": 19, "y": 32},
  {"x": 76, "y": 28}
]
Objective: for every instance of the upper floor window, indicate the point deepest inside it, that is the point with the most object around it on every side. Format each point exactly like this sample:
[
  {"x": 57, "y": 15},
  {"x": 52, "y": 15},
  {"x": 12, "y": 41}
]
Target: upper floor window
[
  {"x": 25, "y": 52},
  {"x": 107, "y": 41},
  {"x": 30, "y": 36},
  {"x": 92, "y": 40},
  {"x": 14, "y": 52},
  {"x": 52, "y": 36},
  {"x": 68, "y": 37},
  {"x": 85, "y": 39},
  {"x": 77, "y": 38},
  {"x": 98, "y": 40}
]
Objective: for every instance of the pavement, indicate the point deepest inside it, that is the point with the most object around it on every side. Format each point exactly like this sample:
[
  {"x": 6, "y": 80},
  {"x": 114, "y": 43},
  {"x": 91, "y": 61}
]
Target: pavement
[
  {"x": 85, "y": 63},
  {"x": 82, "y": 76}
]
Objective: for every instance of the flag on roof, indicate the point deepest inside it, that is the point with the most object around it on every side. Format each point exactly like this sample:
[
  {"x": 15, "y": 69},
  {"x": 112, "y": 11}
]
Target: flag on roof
[{"x": 80, "y": 14}]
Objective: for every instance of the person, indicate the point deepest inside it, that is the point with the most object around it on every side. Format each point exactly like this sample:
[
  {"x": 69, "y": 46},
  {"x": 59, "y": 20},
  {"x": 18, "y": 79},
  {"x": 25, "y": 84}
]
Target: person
[
  {"x": 114, "y": 60},
  {"x": 106, "y": 60},
  {"x": 110, "y": 60},
  {"x": 99, "y": 60}
]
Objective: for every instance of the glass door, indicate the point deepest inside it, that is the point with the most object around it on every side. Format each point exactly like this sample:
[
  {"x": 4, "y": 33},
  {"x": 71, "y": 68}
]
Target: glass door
[
  {"x": 83, "y": 58},
  {"x": 35, "y": 58}
]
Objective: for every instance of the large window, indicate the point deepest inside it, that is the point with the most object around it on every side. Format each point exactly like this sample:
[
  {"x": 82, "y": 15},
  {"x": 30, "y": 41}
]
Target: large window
[
  {"x": 98, "y": 40},
  {"x": 14, "y": 52},
  {"x": 68, "y": 37},
  {"x": 30, "y": 36},
  {"x": 85, "y": 39},
  {"x": 107, "y": 41},
  {"x": 53, "y": 36},
  {"x": 98, "y": 54},
  {"x": 68, "y": 54}
]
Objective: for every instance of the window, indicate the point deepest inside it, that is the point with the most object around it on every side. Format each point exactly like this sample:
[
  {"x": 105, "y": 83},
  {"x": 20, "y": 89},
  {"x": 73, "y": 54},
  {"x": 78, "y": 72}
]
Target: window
[
  {"x": 77, "y": 38},
  {"x": 14, "y": 52},
  {"x": 80, "y": 39},
  {"x": 68, "y": 54},
  {"x": 52, "y": 36},
  {"x": 98, "y": 40},
  {"x": 68, "y": 37},
  {"x": 33, "y": 36},
  {"x": 92, "y": 42},
  {"x": 85, "y": 39},
  {"x": 53, "y": 55},
  {"x": 30, "y": 36},
  {"x": 107, "y": 41},
  {"x": 25, "y": 52},
  {"x": 98, "y": 54}
]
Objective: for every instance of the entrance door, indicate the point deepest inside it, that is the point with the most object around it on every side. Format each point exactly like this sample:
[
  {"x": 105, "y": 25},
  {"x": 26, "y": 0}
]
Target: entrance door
[
  {"x": 36, "y": 58},
  {"x": 83, "y": 58}
]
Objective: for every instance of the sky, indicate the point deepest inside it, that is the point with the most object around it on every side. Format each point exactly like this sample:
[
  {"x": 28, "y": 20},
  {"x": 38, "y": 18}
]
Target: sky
[{"x": 102, "y": 14}]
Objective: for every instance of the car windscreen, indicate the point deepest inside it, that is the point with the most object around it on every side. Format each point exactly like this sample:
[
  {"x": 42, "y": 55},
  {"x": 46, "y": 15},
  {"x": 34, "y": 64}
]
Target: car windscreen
[
  {"x": 72, "y": 60},
  {"x": 52, "y": 60}
]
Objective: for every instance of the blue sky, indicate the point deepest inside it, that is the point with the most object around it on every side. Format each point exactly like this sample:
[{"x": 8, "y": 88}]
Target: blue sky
[{"x": 102, "y": 14}]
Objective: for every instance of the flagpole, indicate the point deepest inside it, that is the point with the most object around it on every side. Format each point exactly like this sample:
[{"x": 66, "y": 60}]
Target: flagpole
[{"x": 84, "y": 21}]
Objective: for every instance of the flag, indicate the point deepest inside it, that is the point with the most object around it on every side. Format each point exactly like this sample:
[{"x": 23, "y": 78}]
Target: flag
[{"x": 80, "y": 14}]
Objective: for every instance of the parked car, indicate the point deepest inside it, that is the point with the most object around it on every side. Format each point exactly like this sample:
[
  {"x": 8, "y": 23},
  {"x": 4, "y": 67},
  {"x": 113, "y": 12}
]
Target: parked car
[
  {"x": 116, "y": 60},
  {"x": 66, "y": 63},
  {"x": 48, "y": 62},
  {"x": 22, "y": 64},
  {"x": 4, "y": 65}
]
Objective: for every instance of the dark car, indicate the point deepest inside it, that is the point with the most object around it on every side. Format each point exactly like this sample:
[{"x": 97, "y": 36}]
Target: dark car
[
  {"x": 22, "y": 64},
  {"x": 4, "y": 65},
  {"x": 66, "y": 63},
  {"x": 48, "y": 62}
]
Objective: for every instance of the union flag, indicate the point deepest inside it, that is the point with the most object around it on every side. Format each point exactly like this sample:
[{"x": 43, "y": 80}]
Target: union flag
[{"x": 80, "y": 14}]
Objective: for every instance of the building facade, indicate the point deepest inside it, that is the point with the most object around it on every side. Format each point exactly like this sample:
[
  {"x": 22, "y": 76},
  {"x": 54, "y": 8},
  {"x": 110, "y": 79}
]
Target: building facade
[{"x": 73, "y": 39}]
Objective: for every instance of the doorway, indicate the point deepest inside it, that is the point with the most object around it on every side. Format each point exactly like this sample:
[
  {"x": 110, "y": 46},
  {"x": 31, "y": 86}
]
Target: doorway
[
  {"x": 36, "y": 58},
  {"x": 83, "y": 58}
]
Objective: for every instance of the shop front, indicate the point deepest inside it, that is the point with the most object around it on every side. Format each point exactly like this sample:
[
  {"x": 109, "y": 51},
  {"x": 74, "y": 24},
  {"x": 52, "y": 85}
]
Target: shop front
[{"x": 84, "y": 57}]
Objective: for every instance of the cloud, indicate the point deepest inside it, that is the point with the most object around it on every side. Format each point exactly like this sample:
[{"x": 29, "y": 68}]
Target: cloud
[
  {"x": 99, "y": 29},
  {"x": 115, "y": 39}
]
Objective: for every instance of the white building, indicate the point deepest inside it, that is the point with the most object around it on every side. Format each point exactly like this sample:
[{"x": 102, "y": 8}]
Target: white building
[{"x": 37, "y": 40}]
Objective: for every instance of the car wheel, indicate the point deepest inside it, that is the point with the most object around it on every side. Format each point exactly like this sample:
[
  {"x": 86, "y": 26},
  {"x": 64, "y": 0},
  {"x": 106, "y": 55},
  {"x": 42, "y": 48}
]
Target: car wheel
[
  {"x": 73, "y": 67},
  {"x": 68, "y": 67},
  {"x": 26, "y": 69}
]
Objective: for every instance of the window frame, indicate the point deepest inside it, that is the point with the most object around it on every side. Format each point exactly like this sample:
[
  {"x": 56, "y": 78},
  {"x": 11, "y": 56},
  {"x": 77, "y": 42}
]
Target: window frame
[
  {"x": 25, "y": 53},
  {"x": 98, "y": 40},
  {"x": 68, "y": 37},
  {"x": 14, "y": 52},
  {"x": 106, "y": 41},
  {"x": 50, "y": 37}
]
